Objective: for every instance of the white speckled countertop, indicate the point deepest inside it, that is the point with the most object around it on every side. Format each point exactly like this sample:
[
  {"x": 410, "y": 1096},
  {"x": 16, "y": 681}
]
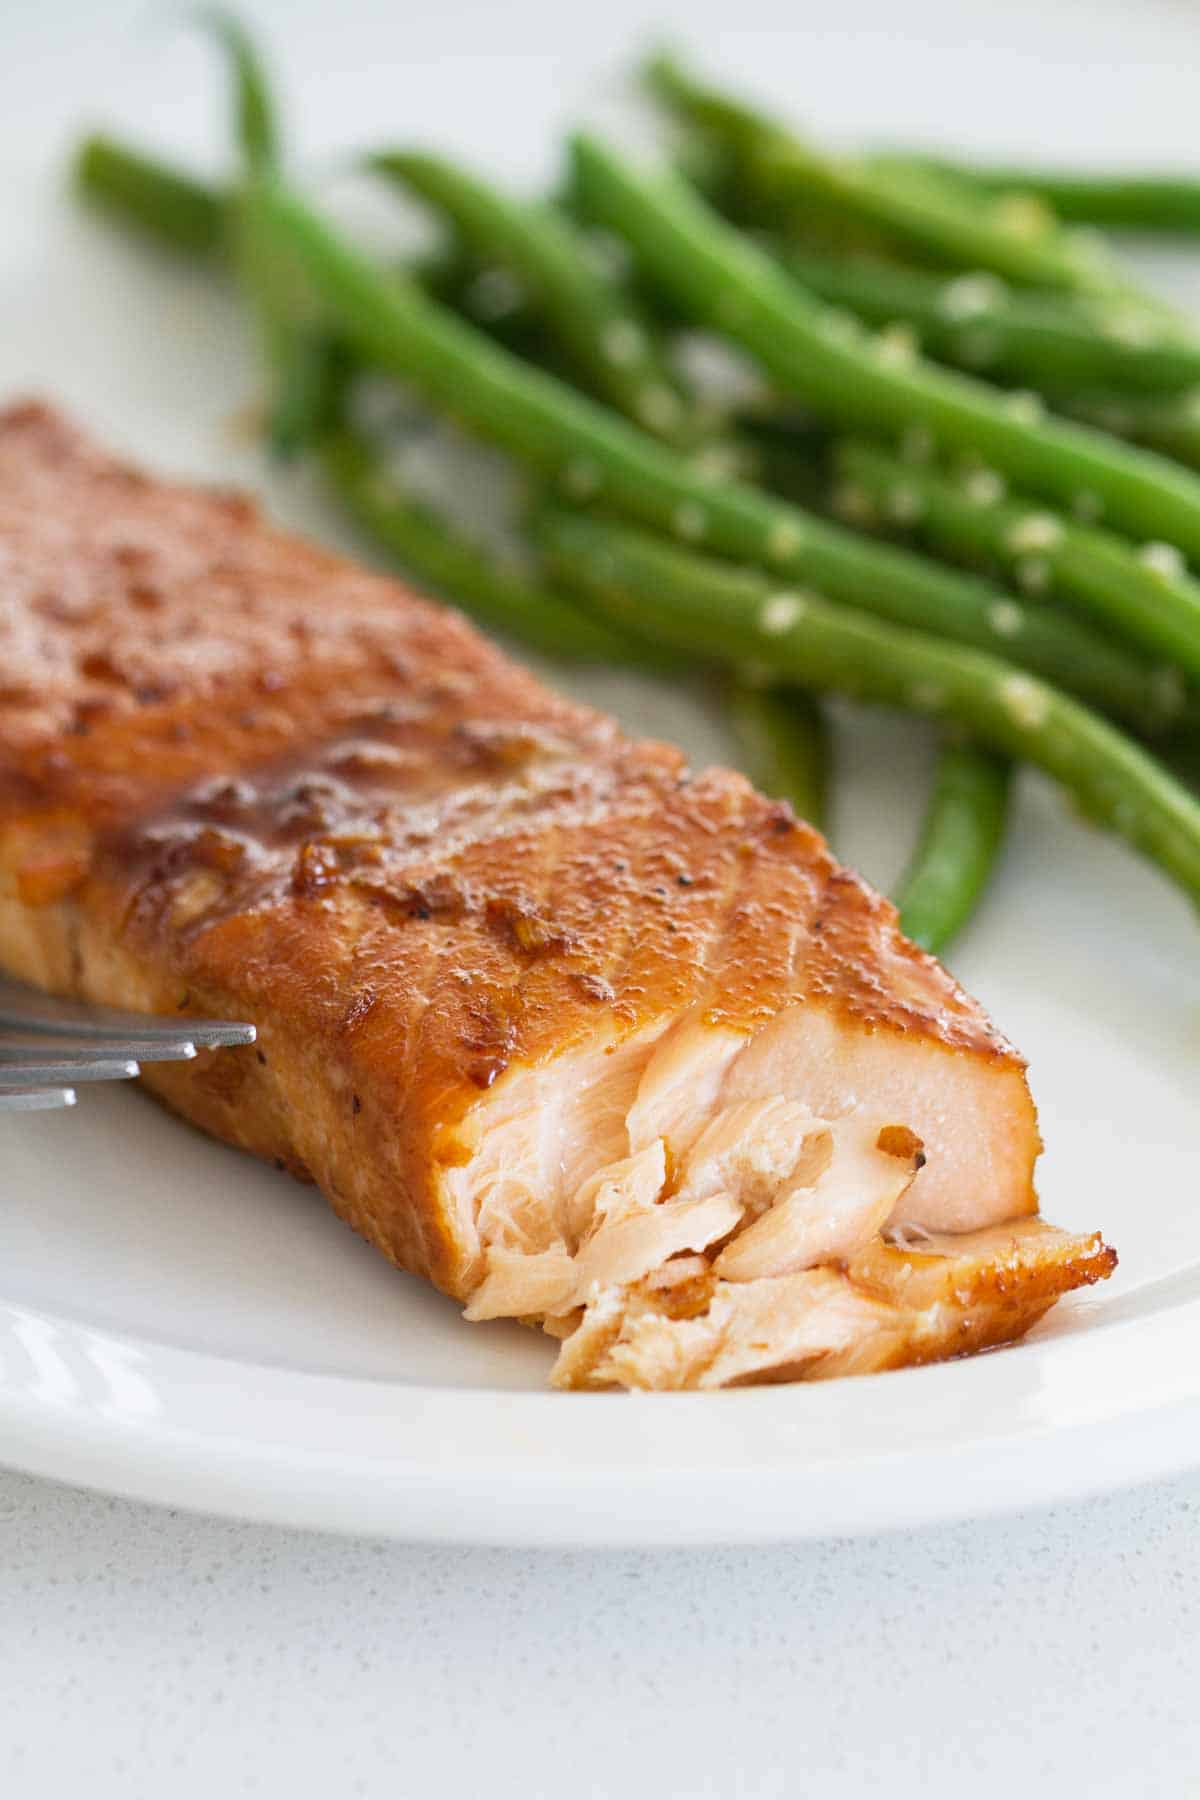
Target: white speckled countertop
[{"x": 145, "y": 1653}]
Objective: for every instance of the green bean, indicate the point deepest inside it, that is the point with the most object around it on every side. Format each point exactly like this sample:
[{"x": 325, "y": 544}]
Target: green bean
[
  {"x": 596, "y": 321},
  {"x": 1155, "y": 203},
  {"x": 594, "y": 454},
  {"x": 785, "y": 749},
  {"x": 255, "y": 128},
  {"x": 786, "y": 454},
  {"x": 305, "y": 366},
  {"x": 298, "y": 353},
  {"x": 312, "y": 375},
  {"x": 784, "y": 744},
  {"x": 1054, "y": 343},
  {"x": 915, "y": 209},
  {"x": 1169, "y": 424},
  {"x": 1044, "y": 551},
  {"x": 163, "y": 202},
  {"x": 864, "y": 382},
  {"x": 490, "y": 296},
  {"x": 960, "y": 841},
  {"x": 737, "y": 618},
  {"x": 500, "y": 596}
]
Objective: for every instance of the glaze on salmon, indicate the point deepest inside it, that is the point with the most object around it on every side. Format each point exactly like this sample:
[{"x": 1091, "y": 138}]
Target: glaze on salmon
[{"x": 581, "y": 1036}]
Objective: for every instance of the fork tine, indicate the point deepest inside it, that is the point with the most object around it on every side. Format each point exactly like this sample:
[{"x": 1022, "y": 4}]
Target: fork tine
[
  {"x": 34, "y": 1099},
  {"x": 43, "y": 1071},
  {"x": 220, "y": 1034},
  {"x": 30, "y": 1010},
  {"x": 173, "y": 1049}
]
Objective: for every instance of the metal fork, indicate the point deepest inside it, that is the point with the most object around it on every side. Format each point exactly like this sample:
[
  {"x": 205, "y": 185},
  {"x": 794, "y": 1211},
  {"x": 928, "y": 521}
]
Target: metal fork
[{"x": 48, "y": 1045}]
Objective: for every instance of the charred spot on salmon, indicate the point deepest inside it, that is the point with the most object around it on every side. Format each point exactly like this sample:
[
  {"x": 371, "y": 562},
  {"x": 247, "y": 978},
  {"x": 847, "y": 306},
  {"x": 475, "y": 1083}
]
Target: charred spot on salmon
[
  {"x": 441, "y": 897},
  {"x": 316, "y": 869},
  {"x": 99, "y": 665},
  {"x": 490, "y": 1038},
  {"x": 689, "y": 1299},
  {"x": 224, "y": 797},
  {"x": 357, "y": 849},
  {"x": 594, "y": 986},
  {"x": 212, "y": 848},
  {"x": 526, "y": 928},
  {"x": 313, "y": 803},
  {"x": 237, "y": 508},
  {"x": 492, "y": 743},
  {"x": 130, "y": 556},
  {"x": 167, "y": 855},
  {"x": 899, "y": 1141}
]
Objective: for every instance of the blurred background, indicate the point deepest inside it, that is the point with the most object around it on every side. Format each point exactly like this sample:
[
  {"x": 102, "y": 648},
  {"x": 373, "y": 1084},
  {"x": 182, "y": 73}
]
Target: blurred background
[{"x": 986, "y": 73}]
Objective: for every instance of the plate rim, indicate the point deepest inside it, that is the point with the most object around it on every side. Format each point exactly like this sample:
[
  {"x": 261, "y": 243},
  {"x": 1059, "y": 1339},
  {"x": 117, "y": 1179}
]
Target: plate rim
[{"x": 1108, "y": 1404}]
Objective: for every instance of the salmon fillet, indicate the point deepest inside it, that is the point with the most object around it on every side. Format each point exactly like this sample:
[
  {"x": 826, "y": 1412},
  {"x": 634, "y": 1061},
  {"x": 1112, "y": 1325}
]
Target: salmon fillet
[{"x": 579, "y": 1035}]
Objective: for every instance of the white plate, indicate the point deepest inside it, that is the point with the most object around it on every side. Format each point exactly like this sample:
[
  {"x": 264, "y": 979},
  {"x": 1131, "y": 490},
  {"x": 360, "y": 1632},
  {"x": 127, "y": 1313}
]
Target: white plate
[{"x": 180, "y": 1324}]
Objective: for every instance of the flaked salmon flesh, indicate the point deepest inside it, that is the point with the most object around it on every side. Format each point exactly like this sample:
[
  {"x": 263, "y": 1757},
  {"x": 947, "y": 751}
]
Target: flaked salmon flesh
[{"x": 583, "y": 1037}]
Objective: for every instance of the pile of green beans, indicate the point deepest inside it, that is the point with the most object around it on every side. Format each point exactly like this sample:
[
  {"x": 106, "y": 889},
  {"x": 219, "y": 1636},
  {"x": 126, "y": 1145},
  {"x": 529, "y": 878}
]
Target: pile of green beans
[
  {"x": 721, "y": 280},
  {"x": 642, "y": 548}
]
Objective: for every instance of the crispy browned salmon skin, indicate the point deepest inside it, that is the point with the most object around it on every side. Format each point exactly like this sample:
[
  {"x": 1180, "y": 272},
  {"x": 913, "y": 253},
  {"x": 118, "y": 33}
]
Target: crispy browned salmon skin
[{"x": 579, "y": 1035}]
